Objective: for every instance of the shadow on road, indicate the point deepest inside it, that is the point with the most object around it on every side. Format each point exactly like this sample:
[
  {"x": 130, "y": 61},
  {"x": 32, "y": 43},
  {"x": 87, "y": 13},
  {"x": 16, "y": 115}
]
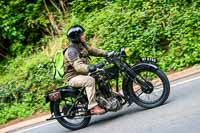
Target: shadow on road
[
  {"x": 116, "y": 115},
  {"x": 127, "y": 111},
  {"x": 132, "y": 110}
]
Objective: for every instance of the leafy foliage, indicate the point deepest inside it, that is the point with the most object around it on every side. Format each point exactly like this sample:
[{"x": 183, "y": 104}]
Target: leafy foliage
[
  {"x": 22, "y": 88},
  {"x": 24, "y": 23},
  {"x": 168, "y": 30}
]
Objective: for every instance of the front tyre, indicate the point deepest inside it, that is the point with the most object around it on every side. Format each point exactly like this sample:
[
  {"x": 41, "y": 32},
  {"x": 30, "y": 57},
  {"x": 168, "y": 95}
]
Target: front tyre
[
  {"x": 74, "y": 110},
  {"x": 158, "y": 91}
]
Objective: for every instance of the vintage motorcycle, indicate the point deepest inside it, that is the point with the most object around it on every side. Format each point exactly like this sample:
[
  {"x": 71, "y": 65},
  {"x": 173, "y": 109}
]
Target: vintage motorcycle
[{"x": 143, "y": 83}]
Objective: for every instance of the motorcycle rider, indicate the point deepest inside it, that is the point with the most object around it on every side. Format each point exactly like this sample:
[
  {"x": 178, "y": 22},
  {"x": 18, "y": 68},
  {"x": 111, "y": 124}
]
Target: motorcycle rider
[{"x": 77, "y": 67}]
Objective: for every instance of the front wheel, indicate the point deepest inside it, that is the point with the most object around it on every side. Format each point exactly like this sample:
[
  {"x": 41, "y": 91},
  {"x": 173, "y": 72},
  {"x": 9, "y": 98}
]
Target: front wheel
[
  {"x": 158, "y": 87},
  {"x": 75, "y": 112}
]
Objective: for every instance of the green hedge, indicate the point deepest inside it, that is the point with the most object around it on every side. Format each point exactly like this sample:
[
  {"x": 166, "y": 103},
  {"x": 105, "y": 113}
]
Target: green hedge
[
  {"x": 23, "y": 86},
  {"x": 167, "y": 30}
]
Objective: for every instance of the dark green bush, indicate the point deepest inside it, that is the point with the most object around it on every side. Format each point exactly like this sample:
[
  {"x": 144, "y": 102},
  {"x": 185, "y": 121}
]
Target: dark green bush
[
  {"x": 167, "y": 30},
  {"x": 24, "y": 23},
  {"x": 23, "y": 87}
]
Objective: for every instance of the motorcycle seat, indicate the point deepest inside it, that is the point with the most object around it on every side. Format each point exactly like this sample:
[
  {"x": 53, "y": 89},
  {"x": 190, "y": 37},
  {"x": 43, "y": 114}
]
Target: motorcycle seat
[{"x": 69, "y": 90}]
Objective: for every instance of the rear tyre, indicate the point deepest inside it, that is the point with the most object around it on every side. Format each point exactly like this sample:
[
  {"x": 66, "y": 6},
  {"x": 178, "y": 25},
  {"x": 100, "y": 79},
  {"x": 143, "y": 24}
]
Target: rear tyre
[{"x": 71, "y": 121}]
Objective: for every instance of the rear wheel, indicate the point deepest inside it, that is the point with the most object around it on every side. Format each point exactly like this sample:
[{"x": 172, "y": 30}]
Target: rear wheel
[
  {"x": 75, "y": 112},
  {"x": 158, "y": 87}
]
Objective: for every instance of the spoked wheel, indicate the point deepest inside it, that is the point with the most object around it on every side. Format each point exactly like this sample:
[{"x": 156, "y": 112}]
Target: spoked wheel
[
  {"x": 75, "y": 112},
  {"x": 155, "y": 89}
]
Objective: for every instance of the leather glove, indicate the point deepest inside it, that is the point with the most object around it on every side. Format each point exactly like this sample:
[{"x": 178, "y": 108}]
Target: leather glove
[
  {"x": 92, "y": 68},
  {"x": 110, "y": 53},
  {"x": 100, "y": 65}
]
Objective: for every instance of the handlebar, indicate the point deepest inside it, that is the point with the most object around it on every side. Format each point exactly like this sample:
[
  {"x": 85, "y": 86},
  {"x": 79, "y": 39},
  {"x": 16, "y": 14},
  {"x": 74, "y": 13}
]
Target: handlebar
[
  {"x": 108, "y": 60},
  {"x": 101, "y": 64}
]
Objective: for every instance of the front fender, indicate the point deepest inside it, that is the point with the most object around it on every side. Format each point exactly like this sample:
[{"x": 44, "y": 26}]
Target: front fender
[{"x": 146, "y": 65}]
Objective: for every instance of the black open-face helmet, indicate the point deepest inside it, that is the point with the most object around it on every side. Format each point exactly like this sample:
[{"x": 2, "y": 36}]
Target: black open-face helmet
[{"x": 74, "y": 33}]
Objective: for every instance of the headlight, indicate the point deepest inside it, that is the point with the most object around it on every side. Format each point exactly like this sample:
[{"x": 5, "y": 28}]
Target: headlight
[{"x": 128, "y": 51}]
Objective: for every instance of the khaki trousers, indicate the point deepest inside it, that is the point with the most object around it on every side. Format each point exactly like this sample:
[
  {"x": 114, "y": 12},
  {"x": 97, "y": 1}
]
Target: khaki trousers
[{"x": 89, "y": 83}]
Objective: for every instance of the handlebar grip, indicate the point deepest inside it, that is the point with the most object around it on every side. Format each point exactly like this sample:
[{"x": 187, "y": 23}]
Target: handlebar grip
[{"x": 100, "y": 65}]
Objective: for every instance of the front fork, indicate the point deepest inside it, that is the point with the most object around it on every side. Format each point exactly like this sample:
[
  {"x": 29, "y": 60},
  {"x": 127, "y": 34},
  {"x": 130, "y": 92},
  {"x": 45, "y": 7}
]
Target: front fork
[{"x": 131, "y": 76}]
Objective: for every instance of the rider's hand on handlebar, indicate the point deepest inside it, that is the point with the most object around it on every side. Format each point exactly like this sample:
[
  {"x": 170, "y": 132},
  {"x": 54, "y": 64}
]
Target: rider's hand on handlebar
[
  {"x": 110, "y": 53},
  {"x": 100, "y": 65},
  {"x": 93, "y": 68}
]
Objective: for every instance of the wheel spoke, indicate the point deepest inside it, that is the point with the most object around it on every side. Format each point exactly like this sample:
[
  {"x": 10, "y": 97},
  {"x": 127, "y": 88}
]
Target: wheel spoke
[
  {"x": 152, "y": 79},
  {"x": 148, "y": 97},
  {"x": 67, "y": 106},
  {"x": 158, "y": 89},
  {"x": 155, "y": 95},
  {"x": 139, "y": 92}
]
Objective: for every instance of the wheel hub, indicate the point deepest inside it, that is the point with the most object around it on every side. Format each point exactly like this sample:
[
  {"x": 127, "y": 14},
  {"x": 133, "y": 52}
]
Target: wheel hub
[
  {"x": 149, "y": 88},
  {"x": 65, "y": 110}
]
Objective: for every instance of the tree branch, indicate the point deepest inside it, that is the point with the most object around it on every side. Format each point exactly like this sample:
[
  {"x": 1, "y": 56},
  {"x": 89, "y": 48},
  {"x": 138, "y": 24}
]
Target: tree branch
[
  {"x": 63, "y": 5},
  {"x": 56, "y": 7},
  {"x": 51, "y": 18}
]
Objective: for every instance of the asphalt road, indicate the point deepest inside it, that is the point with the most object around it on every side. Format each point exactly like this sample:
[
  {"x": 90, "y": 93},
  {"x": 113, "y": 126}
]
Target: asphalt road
[{"x": 180, "y": 114}]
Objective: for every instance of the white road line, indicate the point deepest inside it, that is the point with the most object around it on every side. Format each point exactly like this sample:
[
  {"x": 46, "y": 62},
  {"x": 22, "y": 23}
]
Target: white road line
[
  {"x": 45, "y": 124},
  {"x": 185, "y": 81}
]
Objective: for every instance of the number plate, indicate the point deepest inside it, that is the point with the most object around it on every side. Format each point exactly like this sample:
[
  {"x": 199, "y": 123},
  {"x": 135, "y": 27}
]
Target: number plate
[{"x": 149, "y": 59}]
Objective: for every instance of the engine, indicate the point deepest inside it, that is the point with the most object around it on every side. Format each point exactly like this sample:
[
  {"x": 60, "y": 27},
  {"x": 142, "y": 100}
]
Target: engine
[
  {"x": 106, "y": 98},
  {"x": 113, "y": 103}
]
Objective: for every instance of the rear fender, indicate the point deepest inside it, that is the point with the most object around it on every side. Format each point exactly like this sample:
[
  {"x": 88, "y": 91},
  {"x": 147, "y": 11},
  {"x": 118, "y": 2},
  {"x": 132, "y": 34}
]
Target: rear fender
[
  {"x": 51, "y": 106},
  {"x": 49, "y": 101},
  {"x": 61, "y": 93}
]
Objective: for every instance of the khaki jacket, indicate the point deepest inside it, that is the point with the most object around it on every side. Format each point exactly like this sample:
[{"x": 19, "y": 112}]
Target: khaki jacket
[{"x": 76, "y": 59}]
